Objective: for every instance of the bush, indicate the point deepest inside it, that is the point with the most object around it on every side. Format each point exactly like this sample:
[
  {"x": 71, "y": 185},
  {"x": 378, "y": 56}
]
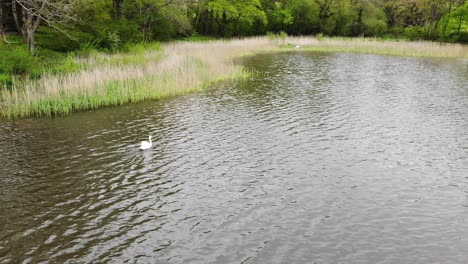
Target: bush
[
  {"x": 195, "y": 37},
  {"x": 319, "y": 36},
  {"x": 113, "y": 40},
  {"x": 461, "y": 37},
  {"x": 66, "y": 65},
  {"x": 140, "y": 48},
  {"x": 412, "y": 33},
  {"x": 51, "y": 39},
  {"x": 16, "y": 60},
  {"x": 374, "y": 27},
  {"x": 277, "y": 36},
  {"x": 5, "y": 79}
]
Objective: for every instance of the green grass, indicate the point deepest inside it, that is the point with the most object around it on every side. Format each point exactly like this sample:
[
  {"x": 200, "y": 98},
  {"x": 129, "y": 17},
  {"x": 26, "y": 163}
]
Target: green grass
[{"x": 116, "y": 93}]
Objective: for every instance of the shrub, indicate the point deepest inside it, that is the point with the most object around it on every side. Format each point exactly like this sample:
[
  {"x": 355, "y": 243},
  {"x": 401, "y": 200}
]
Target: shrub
[
  {"x": 113, "y": 39},
  {"x": 412, "y": 33},
  {"x": 51, "y": 39},
  {"x": 5, "y": 79},
  {"x": 17, "y": 60},
  {"x": 277, "y": 36}
]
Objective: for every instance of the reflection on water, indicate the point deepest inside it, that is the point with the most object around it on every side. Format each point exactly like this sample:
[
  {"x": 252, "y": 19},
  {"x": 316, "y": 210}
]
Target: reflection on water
[{"x": 323, "y": 158}]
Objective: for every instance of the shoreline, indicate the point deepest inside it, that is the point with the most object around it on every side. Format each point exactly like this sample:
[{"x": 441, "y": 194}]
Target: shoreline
[{"x": 180, "y": 67}]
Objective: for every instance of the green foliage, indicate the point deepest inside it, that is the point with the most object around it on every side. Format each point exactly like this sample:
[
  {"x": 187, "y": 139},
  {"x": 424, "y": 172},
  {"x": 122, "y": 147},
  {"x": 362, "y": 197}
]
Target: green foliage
[
  {"x": 87, "y": 49},
  {"x": 5, "y": 79},
  {"x": 100, "y": 28},
  {"x": 195, "y": 37},
  {"x": 161, "y": 20},
  {"x": 319, "y": 36},
  {"x": 306, "y": 17},
  {"x": 277, "y": 36},
  {"x": 279, "y": 17},
  {"x": 232, "y": 17},
  {"x": 67, "y": 64},
  {"x": 413, "y": 33},
  {"x": 374, "y": 24},
  {"x": 343, "y": 22},
  {"x": 455, "y": 26},
  {"x": 141, "y": 48},
  {"x": 113, "y": 39},
  {"x": 48, "y": 38},
  {"x": 16, "y": 60}
]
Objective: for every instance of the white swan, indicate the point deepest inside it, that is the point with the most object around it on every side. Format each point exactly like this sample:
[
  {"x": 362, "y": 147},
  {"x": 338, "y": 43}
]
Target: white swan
[{"x": 146, "y": 145}]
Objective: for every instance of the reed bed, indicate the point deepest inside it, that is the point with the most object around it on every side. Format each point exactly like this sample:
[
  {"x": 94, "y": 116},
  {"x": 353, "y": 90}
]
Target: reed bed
[
  {"x": 178, "y": 68},
  {"x": 379, "y": 46}
]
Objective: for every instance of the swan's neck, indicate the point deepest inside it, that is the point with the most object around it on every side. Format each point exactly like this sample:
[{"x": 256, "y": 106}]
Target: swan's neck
[{"x": 150, "y": 140}]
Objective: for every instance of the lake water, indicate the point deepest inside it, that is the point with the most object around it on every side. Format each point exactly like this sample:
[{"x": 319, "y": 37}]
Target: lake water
[{"x": 319, "y": 158}]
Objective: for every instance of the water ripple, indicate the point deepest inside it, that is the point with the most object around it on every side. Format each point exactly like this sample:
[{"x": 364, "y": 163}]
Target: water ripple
[{"x": 324, "y": 158}]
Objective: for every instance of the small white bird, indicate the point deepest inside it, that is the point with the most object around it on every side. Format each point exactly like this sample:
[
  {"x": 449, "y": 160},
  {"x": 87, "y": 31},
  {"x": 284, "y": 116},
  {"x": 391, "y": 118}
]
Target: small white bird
[
  {"x": 146, "y": 145},
  {"x": 297, "y": 47}
]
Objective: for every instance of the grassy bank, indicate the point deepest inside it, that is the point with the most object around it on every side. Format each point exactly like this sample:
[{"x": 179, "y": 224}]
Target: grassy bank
[
  {"x": 117, "y": 79},
  {"x": 176, "y": 68}
]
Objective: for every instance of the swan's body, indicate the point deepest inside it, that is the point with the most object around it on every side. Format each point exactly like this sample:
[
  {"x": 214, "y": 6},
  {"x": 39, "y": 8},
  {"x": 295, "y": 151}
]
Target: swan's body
[{"x": 146, "y": 145}]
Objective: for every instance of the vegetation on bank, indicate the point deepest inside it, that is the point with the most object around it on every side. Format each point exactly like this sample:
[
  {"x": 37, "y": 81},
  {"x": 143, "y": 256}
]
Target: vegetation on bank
[
  {"x": 65, "y": 25},
  {"x": 115, "y": 79},
  {"x": 151, "y": 72},
  {"x": 58, "y": 56},
  {"x": 50, "y": 30}
]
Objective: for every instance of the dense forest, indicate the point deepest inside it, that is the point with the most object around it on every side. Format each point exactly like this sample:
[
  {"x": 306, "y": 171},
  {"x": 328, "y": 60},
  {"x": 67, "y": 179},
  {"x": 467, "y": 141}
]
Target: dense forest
[{"x": 64, "y": 25}]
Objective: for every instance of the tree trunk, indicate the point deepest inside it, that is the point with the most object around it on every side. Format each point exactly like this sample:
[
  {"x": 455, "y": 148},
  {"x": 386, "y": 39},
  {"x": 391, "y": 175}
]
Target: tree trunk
[
  {"x": 460, "y": 23},
  {"x": 30, "y": 41},
  {"x": 2, "y": 20},
  {"x": 447, "y": 19},
  {"x": 16, "y": 18},
  {"x": 389, "y": 13},
  {"x": 118, "y": 8},
  {"x": 27, "y": 22}
]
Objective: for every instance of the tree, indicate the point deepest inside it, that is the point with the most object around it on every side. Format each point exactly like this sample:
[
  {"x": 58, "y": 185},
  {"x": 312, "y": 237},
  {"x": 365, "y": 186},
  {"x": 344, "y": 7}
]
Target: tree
[
  {"x": 460, "y": 15},
  {"x": 279, "y": 17},
  {"x": 393, "y": 10},
  {"x": 446, "y": 19},
  {"x": 230, "y": 17},
  {"x": 151, "y": 13},
  {"x": 29, "y": 14},
  {"x": 306, "y": 17}
]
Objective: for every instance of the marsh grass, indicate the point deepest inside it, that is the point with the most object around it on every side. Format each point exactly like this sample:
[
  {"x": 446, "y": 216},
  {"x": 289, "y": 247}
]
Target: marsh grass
[
  {"x": 380, "y": 46},
  {"x": 147, "y": 73},
  {"x": 116, "y": 79}
]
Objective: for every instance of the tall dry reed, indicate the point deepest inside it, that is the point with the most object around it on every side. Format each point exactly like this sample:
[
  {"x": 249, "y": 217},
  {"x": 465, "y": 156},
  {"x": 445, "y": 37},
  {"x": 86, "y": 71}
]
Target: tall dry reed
[{"x": 384, "y": 47}]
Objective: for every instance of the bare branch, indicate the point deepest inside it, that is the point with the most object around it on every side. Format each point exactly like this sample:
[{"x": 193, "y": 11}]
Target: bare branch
[{"x": 28, "y": 15}]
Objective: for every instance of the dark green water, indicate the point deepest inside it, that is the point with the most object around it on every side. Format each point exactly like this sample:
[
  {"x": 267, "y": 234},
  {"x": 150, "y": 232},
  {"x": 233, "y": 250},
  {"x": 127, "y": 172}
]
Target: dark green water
[{"x": 322, "y": 158}]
